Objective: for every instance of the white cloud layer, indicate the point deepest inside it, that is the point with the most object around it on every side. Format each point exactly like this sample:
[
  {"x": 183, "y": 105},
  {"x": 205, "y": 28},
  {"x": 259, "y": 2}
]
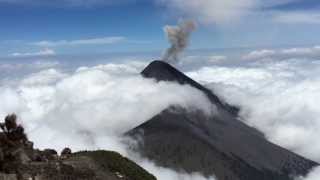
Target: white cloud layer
[
  {"x": 44, "y": 52},
  {"x": 109, "y": 100},
  {"x": 313, "y": 175},
  {"x": 90, "y": 107},
  {"x": 93, "y": 41},
  {"x": 280, "y": 98}
]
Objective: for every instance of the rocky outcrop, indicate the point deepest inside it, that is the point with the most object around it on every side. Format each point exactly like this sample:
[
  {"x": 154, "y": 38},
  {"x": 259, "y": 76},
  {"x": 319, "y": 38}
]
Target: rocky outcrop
[
  {"x": 20, "y": 161},
  {"x": 89, "y": 165}
]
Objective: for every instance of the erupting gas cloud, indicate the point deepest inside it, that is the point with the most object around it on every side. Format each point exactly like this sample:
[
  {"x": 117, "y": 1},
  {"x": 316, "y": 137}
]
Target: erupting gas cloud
[{"x": 178, "y": 37}]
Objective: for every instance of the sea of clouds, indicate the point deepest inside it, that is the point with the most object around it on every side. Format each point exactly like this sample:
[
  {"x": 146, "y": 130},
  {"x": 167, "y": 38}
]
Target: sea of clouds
[
  {"x": 88, "y": 107},
  {"x": 278, "y": 92}
]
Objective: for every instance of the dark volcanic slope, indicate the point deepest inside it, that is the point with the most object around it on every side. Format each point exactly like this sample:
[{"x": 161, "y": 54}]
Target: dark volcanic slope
[
  {"x": 220, "y": 145},
  {"x": 164, "y": 72}
]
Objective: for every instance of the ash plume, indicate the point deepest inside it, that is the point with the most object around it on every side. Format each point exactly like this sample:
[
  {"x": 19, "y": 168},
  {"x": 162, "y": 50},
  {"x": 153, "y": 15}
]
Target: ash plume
[{"x": 178, "y": 36}]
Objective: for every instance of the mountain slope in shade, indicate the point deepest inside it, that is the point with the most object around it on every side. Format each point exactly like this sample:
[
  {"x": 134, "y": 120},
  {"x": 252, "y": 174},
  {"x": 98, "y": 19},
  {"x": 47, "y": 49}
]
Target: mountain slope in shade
[
  {"x": 164, "y": 72},
  {"x": 221, "y": 144}
]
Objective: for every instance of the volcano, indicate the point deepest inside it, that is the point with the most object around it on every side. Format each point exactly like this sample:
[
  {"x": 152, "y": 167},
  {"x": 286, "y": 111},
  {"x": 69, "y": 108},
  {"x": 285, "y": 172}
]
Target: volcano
[{"x": 220, "y": 144}]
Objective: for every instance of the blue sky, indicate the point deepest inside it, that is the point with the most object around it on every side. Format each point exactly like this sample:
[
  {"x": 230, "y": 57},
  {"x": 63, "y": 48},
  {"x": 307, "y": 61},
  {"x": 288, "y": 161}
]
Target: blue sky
[{"x": 34, "y": 27}]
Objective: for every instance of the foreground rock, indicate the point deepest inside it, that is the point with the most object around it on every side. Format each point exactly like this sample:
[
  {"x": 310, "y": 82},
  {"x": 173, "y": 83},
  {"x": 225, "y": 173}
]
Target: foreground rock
[
  {"x": 86, "y": 165},
  {"x": 20, "y": 161}
]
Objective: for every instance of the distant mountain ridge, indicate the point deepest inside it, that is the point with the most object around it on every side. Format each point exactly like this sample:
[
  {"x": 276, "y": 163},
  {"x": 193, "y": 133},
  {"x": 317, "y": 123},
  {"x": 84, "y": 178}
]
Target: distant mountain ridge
[{"x": 220, "y": 144}]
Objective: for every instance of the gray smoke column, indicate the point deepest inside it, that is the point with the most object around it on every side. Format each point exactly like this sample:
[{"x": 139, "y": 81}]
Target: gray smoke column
[{"x": 178, "y": 36}]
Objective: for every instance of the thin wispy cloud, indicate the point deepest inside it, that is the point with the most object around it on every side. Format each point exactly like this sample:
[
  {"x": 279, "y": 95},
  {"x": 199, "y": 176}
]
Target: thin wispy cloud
[
  {"x": 301, "y": 52},
  {"x": 93, "y": 41},
  {"x": 211, "y": 11},
  {"x": 258, "y": 54},
  {"x": 64, "y": 3},
  {"x": 276, "y": 3},
  {"x": 43, "y": 52},
  {"x": 298, "y": 18},
  {"x": 221, "y": 12}
]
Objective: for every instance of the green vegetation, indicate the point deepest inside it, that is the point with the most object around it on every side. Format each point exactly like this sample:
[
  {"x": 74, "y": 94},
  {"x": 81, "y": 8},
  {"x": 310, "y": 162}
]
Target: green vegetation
[{"x": 115, "y": 162}]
